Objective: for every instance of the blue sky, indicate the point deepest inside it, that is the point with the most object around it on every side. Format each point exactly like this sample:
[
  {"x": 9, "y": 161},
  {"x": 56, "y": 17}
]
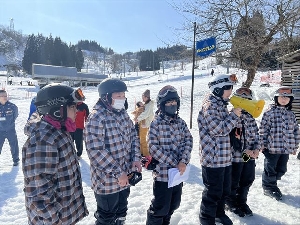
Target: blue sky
[{"x": 123, "y": 25}]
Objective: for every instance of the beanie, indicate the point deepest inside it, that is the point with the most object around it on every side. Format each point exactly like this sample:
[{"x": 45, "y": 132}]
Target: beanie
[{"x": 147, "y": 93}]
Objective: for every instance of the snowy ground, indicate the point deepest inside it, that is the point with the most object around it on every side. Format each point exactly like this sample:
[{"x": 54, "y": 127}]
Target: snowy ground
[{"x": 267, "y": 211}]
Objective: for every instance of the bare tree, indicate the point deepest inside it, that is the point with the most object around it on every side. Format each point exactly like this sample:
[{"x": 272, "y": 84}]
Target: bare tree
[{"x": 222, "y": 18}]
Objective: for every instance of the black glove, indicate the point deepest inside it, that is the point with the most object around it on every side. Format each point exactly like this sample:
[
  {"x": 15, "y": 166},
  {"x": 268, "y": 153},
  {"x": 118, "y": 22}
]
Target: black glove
[{"x": 134, "y": 178}]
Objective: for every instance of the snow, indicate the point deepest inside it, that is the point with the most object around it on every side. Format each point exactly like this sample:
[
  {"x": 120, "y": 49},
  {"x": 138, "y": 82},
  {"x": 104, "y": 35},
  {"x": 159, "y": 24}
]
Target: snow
[{"x": 267, "y": 211}]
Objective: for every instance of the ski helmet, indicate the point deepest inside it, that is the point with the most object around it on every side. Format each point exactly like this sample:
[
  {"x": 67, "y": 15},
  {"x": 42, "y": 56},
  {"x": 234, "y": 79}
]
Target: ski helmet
[
  {"x": 167, "y": 93},
  {"x": 53, "y": 99},
  {"x": 221, "y": 83},
  {"x": 111, "y": 85},
  {"x": 284, "y": 91},
  {"x": 244, "y": 92}
]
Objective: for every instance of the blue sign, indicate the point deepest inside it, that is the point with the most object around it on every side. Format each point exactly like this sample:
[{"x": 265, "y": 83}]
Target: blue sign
[{"x": 206, "y": 47}]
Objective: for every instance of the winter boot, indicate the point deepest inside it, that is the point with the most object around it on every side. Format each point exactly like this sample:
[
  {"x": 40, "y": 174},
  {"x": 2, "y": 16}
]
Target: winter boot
[
  {"x": 120, "y": 221},
  {"x": 236, "y": 210},
  {"x": 225, "y": 220},
  {"x": 273, "y": 194},
  {"x": 298, "y": 156},
  {"x": 246, "y": 210}
]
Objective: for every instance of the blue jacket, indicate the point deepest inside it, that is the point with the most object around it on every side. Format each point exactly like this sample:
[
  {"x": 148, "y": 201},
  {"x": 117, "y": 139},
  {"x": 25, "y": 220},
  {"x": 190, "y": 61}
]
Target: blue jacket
[
  {"x": 32, "y": 107},
  {"x": 8, "y": 116}
]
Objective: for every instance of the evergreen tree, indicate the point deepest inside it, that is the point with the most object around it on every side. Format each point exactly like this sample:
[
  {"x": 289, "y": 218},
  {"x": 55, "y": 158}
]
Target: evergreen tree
[
  {"x": 29, "y": 54},
  {"x": 79, "y": 60},
  {"x": 49, "y": 50}
]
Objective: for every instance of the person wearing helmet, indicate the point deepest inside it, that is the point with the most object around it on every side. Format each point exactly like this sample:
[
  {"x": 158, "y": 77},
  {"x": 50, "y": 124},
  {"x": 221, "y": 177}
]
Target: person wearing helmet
[
  {"x": 114, "y": 151},
  {"x": 170, "y": 145},
  {"x": 246, "y": 145},
  {"x": 215, "y": 124},
  {"x": 280, "y": 136},
  {"x": 8, "y": 116},
  {"x": 52, "y": 179}
]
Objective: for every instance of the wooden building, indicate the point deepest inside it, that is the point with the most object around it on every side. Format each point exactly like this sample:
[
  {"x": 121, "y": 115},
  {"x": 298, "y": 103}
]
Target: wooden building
[{"x": 291, "y": 77}]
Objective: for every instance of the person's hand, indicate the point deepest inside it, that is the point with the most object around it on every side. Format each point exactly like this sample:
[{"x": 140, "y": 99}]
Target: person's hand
[
  {"x": 123, "y": 180},
  {"x": 237, "y": 111},
  {"x": 137, "y": 166},
  {"x": 181, "y": 167},
  {"x": 255, "y": 153},
  {"x": 249, "y": 153}
]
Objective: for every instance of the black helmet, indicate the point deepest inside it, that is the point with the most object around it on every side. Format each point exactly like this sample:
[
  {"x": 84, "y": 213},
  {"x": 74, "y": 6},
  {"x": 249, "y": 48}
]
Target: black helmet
[
  {"x": 111, "y": 85},
  {"x": 165, "y": 94},
  {"x": 52, "y": 99}
]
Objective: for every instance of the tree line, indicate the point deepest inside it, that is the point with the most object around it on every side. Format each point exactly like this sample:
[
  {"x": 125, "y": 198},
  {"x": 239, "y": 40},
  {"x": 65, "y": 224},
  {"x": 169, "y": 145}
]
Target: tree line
[{"x": 46, "y": 50}]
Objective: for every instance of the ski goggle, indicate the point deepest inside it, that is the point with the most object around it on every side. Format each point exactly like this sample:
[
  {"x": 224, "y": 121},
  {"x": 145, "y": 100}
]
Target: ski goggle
[
  {"x": 165, "y": 90},
  {"x": 227, "y": 87},
  {"x": 285, "y": 91},
  {"x": 78, "y": 95},
  {"x": 232, "y": 79},
  {"x": 244, "y": 92}
]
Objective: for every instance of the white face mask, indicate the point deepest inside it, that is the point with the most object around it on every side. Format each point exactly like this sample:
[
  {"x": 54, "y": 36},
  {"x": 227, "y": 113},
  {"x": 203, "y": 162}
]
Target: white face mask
[{"x": 119, "y": 104}]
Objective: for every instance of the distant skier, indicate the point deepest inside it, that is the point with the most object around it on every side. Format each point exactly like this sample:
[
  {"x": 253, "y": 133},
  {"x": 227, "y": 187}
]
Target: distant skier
[{"x": 212, "y": 72}]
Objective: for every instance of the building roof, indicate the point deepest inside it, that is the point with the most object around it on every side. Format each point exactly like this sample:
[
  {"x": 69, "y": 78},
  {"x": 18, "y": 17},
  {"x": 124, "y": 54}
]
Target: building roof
[{"x": 291, "y": 57}]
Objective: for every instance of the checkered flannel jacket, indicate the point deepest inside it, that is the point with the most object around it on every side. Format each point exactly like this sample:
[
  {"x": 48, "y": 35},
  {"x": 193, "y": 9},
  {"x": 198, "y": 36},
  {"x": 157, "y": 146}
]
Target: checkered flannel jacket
[
  {"x": 112, "y": 145},
  {"x": 279, "y": 131},
  {"x": 215, "y": 124},
  {"x": 251, "y": 136},
  {"x": 170, "y": 142},
  {"x": 52, "y": 179}
]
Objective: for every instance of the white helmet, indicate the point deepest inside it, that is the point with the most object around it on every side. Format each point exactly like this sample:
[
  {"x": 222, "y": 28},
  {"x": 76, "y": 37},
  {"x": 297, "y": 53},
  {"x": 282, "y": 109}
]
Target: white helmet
[{"x": 217, "y": 85}]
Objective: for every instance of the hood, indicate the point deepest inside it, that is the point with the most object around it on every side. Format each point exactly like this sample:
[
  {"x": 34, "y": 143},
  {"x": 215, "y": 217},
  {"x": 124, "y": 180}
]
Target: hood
[{"x": 31, "y": 123}]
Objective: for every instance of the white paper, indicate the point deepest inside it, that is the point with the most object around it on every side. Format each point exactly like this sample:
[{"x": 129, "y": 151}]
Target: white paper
[{"x": 174, "y": 177}]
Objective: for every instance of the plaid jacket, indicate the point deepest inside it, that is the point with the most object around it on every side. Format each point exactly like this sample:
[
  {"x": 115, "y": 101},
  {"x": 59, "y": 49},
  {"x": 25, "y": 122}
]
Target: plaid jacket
[
  {"x": 170, "y": 142},
  {"x": 251, "y": 136},
  {"x": 112, "y": 145},
  {"x": 52, "y": 178},
  {"x": 215, "y": 124},
  {"x": 279, "y": 131}
]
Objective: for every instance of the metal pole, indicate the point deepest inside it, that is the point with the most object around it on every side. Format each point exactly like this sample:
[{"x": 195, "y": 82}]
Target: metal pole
[
  {"x": 124, "y": 65},
  {"x": 153, "y": 62},
  {"x": 104, "y": 64},
  {"x": 192, "y": 91}
]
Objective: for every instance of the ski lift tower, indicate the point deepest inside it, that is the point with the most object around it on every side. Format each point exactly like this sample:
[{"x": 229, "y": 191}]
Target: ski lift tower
[{"x": 11, "y": 24}]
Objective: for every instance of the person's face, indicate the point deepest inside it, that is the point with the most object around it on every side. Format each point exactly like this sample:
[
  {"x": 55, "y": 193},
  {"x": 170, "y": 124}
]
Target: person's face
[
  {"x": 71, "y": 112},
  {"x": 3, "y": 98},
  {"x": 117, "y": 95},
  {"x": 144, "y": 98},
  {"x": 283, "y": 100},
  {"x": 227, "y": 93},
  {"x": 171, "y": 102}
]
